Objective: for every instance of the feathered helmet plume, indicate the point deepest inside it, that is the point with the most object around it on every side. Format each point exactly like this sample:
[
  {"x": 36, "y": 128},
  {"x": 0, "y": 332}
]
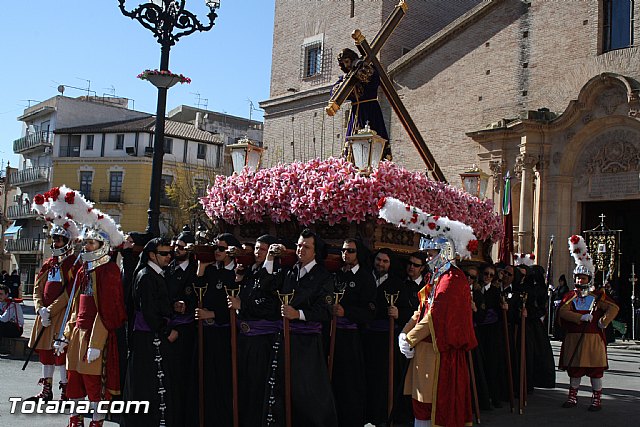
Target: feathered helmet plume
[
  {"x": 433, "y": 227},
  {"x": 578, "y": 249}
]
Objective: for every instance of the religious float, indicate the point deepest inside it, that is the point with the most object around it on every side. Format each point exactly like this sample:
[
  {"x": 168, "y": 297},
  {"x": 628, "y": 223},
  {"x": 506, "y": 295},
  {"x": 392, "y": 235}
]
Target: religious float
[{"x": 337, "y": 200}]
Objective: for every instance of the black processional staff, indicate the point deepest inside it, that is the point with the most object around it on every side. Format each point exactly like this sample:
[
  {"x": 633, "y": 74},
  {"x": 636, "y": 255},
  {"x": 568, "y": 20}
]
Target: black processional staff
[
  {"x": 391, "y": 300},
  {"x": 233, "y": 292},
  {"x": 523, "y": 356},
  {"x": 285, "y": 299},
  {"x": 337, "y": 297},
  {"x": 550, "y": 287},
  {"x": 200, "y": 291}
]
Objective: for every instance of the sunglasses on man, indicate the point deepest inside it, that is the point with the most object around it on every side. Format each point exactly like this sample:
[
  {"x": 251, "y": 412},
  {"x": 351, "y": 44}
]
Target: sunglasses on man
[
  {"x": 349, "y": 250},
  {"x": 164, "y": 253},
  {"x": 413, "y": 264}
]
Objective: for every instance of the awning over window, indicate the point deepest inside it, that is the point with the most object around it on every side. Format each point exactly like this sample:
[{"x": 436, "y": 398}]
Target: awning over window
[{"x": 13, "y": 229}]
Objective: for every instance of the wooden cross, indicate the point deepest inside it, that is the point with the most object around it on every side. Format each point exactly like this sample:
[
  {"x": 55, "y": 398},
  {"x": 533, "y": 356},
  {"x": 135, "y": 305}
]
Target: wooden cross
[{"x": 369, "y": 52}]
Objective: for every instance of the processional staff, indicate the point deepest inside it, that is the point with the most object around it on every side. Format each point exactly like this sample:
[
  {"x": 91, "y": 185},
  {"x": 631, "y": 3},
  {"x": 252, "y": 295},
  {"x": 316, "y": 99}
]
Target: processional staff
[
  {"x": 233, "y": 293},
  {"x": 337, "y": 296},
  {"x": 285, "y": 299},
  {"x": 633, "y": 279},
  {"x": 391, "y": 300}
]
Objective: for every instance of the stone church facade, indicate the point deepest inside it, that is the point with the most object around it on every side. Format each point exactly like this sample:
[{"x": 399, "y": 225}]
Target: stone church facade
[{"x": 546, "y": 90}]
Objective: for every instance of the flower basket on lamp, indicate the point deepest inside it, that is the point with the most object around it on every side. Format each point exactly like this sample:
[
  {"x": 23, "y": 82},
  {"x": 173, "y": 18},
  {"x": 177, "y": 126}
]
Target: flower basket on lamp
[{"x": 163, "y": 79}]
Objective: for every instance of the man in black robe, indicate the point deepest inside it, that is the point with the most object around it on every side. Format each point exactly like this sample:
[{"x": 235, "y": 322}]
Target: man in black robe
[
  {"x": 356, "y": 306},
  {"x": 149, "y": 358},
  {"x": 490, "y": 334},
  {"x": 215, "y": 276},
  {"x": 258, "y": 308},
  {"x": 312, "y": 285},
  {"x": 180, "y": 275},
  {"x": 375, "y": 342}
]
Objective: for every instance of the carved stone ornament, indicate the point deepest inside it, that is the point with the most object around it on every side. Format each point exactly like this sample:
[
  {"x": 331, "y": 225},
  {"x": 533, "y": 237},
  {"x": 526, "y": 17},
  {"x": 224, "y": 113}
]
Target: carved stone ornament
[
  {"x": 524, "y": 161},
  {"x": 613, "y": 152},
  {"x": 610, "y": 99},
  {"x": 497, "y": 169},
  {"x": 634, "y": 103}
]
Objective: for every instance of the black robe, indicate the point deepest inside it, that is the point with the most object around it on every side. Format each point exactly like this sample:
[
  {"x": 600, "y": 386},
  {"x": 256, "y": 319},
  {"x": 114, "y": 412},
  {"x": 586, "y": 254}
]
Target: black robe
[
  {"x": 260, "y": 324},
  {"x": 349, "y": 386},
  {"x": 311, "y": 394},
  {"x": 152, "y": 309},
  {"x": 540, "y": 364},
  {"x": 179, "y": 283},
  {"x": 217, "y": 353},
  {"x": 375, "y": 344},
  {"x": 491, "y": 350}
]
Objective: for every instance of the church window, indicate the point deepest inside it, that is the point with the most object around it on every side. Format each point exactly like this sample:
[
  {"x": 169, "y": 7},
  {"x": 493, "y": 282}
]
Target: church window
[
  {"x": 312, "y": 56},
  {"x": 617, "y": 24}
]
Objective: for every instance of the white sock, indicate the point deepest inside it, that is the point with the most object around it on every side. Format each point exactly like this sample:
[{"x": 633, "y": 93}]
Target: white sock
[
  {"x": 75, "y": 414},
  {"x": 575, "y": 382},
  {"x": 596, "y": 384},
  {"x": 63, "y": 373},
  {"x": 422, "y": 423},
  {"x": 96, "y": 415},
  {"x": 47, "y": 371}
]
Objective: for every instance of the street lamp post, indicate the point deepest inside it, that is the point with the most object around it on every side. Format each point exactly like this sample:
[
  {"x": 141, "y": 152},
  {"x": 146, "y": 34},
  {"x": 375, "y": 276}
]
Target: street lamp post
[{"x": 168, "y": 20}]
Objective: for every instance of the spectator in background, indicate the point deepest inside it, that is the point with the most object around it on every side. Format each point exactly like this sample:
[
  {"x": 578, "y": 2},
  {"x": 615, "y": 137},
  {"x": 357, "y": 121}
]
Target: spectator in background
[
  {"x": 14, "y": 284},
  {"x": 11, "y": 319}
]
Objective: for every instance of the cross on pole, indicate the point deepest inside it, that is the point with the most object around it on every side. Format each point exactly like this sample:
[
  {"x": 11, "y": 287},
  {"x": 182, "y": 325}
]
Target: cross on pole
[
  {"x": 633, "y": 279},
  {"x": 369, "y": 52},
  {"x": 602, "y": 217}
]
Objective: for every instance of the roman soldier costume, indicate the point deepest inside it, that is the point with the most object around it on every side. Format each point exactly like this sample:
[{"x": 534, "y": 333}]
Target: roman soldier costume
[
  {"x": 584, "y": 314},
  {"x": 440, "y": 333},
  {"x": 51, "y": 294}
]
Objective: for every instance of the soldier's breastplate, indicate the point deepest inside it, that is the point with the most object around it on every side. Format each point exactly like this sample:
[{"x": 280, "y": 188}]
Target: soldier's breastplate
[
  {"x": 53, "y": 285},
  {"x": 87, "y": 311},
  {"x": 583, "y": 305}
]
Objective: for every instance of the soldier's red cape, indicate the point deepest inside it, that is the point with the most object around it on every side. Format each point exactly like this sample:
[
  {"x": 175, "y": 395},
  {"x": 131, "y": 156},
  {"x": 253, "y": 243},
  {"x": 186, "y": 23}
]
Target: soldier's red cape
[{"x": 453, "y": 326}]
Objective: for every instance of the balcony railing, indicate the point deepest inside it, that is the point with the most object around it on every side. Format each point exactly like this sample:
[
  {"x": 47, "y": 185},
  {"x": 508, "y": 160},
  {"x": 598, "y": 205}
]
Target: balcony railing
[
  {"x": 29, "y": 176},
  {"x": 33, "y": 140},
  {"x": 20, "y": 211},
  {"x": 109, "y": 196},
  {"x": 26, "y": 245}
]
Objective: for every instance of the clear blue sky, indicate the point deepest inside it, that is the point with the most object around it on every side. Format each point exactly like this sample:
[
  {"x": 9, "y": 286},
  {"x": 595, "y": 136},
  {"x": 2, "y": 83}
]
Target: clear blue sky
[{"x": 47, "y": 43}]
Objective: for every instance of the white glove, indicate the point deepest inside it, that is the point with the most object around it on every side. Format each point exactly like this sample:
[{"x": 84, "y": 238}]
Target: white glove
[
  {"x": 405, "y": 347},
  {"x": 92, "y": 354},
  {"x": 59, "y": 346},
  {"x": 44, "y": 317},
  {"x": 586, "y": 318},
  {"x": 600, "y": 324}
]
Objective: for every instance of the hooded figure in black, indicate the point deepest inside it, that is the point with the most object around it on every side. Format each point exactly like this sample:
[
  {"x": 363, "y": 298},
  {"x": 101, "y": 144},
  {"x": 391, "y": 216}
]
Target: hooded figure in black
[
  {"x": 258, "y": 308},
  {"x": 357, "y": 305},
  {"x": 312, "y": 287},
  {"x": 149, "y": 359}
]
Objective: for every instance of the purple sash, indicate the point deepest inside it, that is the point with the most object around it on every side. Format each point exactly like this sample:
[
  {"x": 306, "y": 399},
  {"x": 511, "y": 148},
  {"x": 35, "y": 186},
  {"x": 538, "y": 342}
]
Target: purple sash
[
  {"x": 305, "y": 328},
  {"x": 378, "y": 325},
  {"x": 140, "y": 324},
  {"x": 181, "y": 319},
  {"x": 344, "y": 323},
  {"x": 252, "y": 328},
  {"x": 490, "y": 318}
]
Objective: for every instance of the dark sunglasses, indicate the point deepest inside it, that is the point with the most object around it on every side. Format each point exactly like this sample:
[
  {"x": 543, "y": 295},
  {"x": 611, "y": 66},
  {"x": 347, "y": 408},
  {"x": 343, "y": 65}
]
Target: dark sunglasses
[
  {"x": 472, "y": 277},
  {"x": 486, "y": 273},
  {"x": 415, "y": 265},
  {"x": 349, "y": 250},
  {"x": 164, "y": 253},
  {"x": 506, "y": 273},
  {"x": 221, "y": 248}
]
